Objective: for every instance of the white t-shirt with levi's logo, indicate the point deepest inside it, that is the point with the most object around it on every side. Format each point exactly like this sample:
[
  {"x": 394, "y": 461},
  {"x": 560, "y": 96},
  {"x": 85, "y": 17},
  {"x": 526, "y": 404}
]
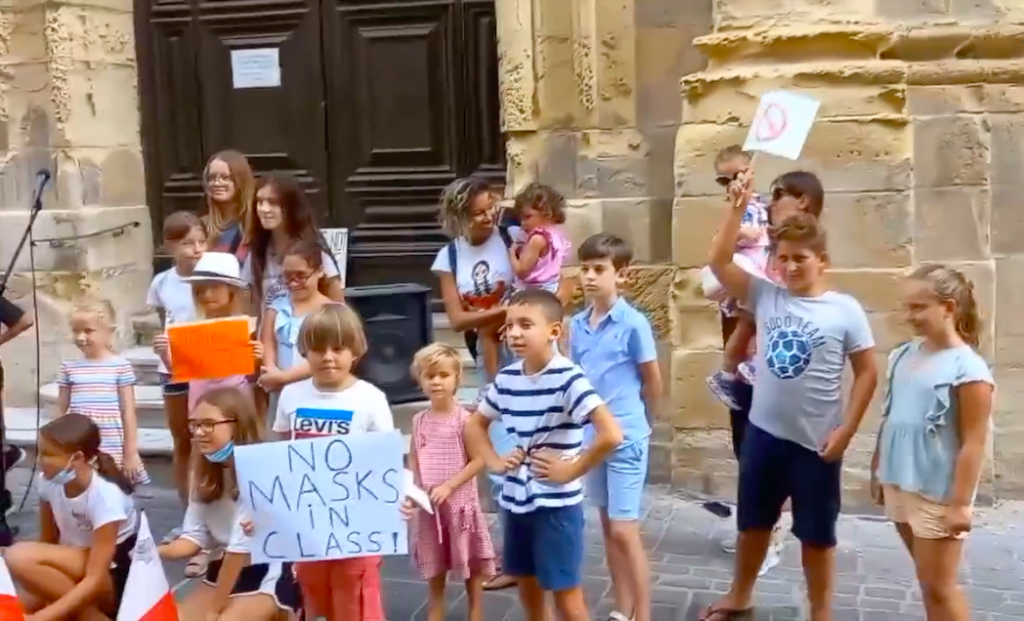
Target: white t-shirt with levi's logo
[{"x": 304, "y": 411}]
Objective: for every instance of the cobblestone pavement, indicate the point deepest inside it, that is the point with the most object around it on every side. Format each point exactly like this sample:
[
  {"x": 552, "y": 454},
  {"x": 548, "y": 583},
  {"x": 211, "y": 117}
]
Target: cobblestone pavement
[{"x": 875, "y": 578}]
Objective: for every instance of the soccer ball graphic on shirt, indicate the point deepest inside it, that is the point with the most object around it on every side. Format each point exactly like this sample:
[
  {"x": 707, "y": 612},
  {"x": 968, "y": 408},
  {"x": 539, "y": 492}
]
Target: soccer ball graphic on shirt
[{"x": 788, "y": 353}]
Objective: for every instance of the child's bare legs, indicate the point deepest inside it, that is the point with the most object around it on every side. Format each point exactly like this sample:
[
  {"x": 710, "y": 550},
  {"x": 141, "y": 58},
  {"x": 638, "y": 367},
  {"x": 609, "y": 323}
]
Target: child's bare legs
[
  {"x": 490, "y": 344},
  {"x": 737, "y": 348},
  {"x": 531, "y": 598},
  {"x": 475, "y": 597},
  {"x": 176, "y": 406},
  {"x": 570, "y": 605},
  {"x": 936, "y": 562},
  {"x": 435, "y": 599}
]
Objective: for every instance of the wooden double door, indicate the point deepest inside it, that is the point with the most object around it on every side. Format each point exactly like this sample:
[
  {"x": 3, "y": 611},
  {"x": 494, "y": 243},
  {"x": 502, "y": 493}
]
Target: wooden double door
[{"x": 375, "y": 105}]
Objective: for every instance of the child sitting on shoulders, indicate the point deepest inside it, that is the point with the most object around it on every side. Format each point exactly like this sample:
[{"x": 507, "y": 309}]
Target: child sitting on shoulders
[
  {"x": 455, "y": 539},
  {"x": 101, "y": 385},
  {"x": 335, "y": 402},
  {"x": 752, "y": 255},
  {"x": 540, "y": 248}
]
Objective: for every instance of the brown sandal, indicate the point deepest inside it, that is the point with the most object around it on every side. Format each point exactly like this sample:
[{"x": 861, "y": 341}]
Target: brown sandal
[
  {"x": 716, "y": 612},
  {"x": 500, "y": 583}
]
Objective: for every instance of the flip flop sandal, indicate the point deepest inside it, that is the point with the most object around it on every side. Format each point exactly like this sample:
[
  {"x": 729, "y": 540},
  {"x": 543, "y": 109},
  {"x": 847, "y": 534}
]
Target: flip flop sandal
[
  {"x": 721, "y": 613},
  {"x": 615, "y": 615},
  {"x": 197, "y": 565},
  {"x": 500, "y": 583}
]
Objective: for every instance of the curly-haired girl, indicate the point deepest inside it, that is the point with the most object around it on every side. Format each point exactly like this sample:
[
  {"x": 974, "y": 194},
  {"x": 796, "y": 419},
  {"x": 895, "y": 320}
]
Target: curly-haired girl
[{"x": 538, "y": 255}]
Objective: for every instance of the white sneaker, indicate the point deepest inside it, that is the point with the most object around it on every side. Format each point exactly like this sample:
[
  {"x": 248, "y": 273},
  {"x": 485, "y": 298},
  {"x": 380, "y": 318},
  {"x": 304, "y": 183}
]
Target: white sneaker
[
  {"x": 729, "y": 545},
  {"x": 771, "y": 560}
]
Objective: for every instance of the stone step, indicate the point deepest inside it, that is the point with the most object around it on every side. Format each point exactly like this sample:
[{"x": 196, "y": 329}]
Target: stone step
[
  {"x": 145, "y": 364},
  {"x": 23, "y": 423},
  {"x": 149, "y": 404}
]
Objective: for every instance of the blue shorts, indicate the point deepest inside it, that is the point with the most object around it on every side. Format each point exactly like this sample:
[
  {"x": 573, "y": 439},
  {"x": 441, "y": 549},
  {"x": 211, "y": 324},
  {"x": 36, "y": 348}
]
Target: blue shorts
[
  {"x": 546, "y": 544},
  {"x": 172, "y": 389},
  {"x": 773, "y": 470},
  {"x": 617, "y": 485}
]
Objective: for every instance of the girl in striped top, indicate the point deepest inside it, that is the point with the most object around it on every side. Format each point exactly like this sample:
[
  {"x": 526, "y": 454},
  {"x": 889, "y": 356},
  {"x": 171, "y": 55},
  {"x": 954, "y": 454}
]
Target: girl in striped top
[{"x": 101, "y": 386}]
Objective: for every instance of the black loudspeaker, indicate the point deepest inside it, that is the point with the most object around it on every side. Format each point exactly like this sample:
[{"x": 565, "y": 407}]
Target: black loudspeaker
[{"x": 398, "y": 323}]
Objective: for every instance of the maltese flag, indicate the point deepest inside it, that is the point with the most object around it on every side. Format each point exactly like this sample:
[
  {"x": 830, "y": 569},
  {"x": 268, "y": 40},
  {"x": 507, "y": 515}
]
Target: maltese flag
[
  {"x": 147, "y": 596},
  {"x": 10, "y": 606}
]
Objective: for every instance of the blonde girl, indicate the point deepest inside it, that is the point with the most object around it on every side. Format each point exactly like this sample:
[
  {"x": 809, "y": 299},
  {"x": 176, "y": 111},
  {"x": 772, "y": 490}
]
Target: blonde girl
[
  {"x": 232, "y": 589},
  {"x": 935, "y": 427},
  {"x": 101, "y": 386},
  {"x": 229, "y": 188},
  {"x": 219, "y": 293},
  {"x": 454, "y": 540}
]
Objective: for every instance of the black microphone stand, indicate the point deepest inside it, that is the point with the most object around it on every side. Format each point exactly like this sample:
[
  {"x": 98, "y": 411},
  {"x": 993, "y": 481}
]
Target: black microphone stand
[{"x": 6, "y": 499}]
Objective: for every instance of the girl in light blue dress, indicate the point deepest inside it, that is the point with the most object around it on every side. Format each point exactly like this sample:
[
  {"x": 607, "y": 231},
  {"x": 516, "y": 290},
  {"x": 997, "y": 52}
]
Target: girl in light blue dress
[
  {"x": 301, "y": 271},
  {"x": 935, "y": 432}
]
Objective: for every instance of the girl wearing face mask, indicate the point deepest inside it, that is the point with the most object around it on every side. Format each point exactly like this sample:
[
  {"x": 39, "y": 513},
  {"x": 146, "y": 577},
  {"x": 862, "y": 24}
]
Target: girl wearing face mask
[
  {"x": 281, "y": 218},
  {"x": 232, "y": 588},
  {"x": 219, "y": 293},
  {"x": 302, "y": 271},
  {"x": 228, "y": 183},
  {"x": 88, "y": 527}
]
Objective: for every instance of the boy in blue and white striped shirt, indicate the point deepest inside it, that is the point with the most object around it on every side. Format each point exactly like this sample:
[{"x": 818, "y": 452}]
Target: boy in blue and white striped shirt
[{"x": 545, "y": 400}]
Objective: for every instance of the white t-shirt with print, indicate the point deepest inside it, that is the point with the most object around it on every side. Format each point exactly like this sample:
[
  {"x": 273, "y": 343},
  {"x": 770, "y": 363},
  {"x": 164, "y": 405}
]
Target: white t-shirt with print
[
  {"x": 307, "y": 412},
  {"x": 100, "y": 504},
  {"x": 171, "y": 293},
  {"x": 216, "y": 524},
  {"x": 273, "y": 284},
  {"x": 484, "y": 275}
]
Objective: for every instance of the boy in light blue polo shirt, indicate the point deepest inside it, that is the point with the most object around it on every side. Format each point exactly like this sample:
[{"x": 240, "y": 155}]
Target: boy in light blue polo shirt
[{"x": 614, "y": 344}]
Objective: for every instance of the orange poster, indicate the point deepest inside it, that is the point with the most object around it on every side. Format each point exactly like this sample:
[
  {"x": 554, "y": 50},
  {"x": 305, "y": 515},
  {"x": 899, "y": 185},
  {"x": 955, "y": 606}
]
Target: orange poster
[{"x": 212, "y": 349}]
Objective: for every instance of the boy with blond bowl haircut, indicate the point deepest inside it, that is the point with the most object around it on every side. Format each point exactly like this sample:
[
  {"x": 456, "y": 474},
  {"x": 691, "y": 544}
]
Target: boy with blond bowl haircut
[
  {"x": 546, "y": 401},
  {"x": 614, "y": 345}
]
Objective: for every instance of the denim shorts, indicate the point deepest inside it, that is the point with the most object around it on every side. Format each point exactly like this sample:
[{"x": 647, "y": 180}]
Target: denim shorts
[
  {"x": 172, "y": 389},
  {"x": 545, "y": 543},
  {"x": 773, "y": 470},
  {"x": 617, "y": 484}
]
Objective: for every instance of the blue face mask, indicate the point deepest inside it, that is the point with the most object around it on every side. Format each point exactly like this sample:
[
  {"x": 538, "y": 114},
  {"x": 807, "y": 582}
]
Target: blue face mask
[
  {"x": 222, "y": 454},
  {"x": 65, "y": 476}
]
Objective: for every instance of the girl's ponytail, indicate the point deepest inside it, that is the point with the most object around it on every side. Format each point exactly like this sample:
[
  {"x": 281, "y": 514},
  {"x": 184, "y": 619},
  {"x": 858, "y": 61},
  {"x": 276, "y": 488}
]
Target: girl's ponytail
[{"x": 107, "y": 468}]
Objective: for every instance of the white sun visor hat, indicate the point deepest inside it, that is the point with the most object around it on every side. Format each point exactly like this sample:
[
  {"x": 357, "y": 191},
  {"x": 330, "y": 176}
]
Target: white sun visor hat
[
  {"x": 710, "y": 284},
  {"x": 217, "y": 267}
]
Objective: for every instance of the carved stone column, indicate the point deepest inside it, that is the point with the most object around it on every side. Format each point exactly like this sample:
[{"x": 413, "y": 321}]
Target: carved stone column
[
  {"x": 590, "y": 103},
  {"x": 919, "y": 144},
  {"x": 68, "y": 102}
]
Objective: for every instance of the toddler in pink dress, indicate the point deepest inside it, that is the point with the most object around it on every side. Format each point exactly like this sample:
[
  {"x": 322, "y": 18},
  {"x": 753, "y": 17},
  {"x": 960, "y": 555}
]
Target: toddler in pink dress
[
  {"x": 540, "y": 248},
  {"x": 454, "y": 539}
]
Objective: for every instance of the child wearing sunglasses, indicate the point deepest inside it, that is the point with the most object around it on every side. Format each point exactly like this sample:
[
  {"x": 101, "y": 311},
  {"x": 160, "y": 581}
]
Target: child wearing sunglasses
[{"x": 752, "y": 254}]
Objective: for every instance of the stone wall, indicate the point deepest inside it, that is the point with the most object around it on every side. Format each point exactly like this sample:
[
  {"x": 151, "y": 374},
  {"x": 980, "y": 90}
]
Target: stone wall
[
  {"x": 590, "y": 102},
  {"x": 919, "y": 145},
  {"x": 68, "y": 103}
]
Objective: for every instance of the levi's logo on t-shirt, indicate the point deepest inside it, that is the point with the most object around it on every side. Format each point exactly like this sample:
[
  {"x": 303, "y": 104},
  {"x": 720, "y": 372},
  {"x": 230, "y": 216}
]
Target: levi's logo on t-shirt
[{"x": 312, "y": 423}]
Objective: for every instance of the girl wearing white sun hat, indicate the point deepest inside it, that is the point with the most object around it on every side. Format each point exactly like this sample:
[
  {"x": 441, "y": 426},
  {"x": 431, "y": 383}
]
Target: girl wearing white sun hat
[{"x": 219, "y": 293}]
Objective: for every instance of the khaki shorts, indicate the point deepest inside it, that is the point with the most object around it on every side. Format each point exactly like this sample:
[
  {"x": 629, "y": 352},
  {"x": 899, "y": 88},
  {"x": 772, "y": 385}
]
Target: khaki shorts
[{"x": 924, "y": 516}]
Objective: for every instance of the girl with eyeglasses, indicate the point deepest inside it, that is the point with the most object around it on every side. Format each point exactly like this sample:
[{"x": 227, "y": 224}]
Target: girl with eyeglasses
[
  {"x": 232, "y": 587},
  {"x": 228, "y": 189},
  {"x": 302, "y": 270}
]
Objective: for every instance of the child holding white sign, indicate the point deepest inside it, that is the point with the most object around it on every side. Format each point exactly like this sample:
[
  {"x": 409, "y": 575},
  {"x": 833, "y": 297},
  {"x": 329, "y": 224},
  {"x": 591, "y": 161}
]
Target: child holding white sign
[
  {"x": 232, "y": 588},
  {"x": 455, "y": 539},
  {"x": 335, "y": 402}
]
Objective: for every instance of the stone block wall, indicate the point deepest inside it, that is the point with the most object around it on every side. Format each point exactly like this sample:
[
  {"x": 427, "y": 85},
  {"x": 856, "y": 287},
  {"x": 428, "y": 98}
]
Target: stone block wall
[
  {"x": 68, "y": 103},
  {"x": 590, "y": 104},
  {"x": 919, "y": 145}
]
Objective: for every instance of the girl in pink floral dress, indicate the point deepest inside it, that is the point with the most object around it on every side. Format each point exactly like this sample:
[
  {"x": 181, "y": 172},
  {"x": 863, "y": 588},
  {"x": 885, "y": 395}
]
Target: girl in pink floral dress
[{"x": 454, "y": 538}]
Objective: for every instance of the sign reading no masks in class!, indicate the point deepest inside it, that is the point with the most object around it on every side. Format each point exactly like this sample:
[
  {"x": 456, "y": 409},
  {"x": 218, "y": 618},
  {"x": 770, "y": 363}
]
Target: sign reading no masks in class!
[{"x": 332, "y": 497}]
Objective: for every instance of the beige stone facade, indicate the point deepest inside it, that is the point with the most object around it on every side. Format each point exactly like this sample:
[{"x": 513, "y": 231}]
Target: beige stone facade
[
  {"x": 68, "y": 103},
  {"x": 919, "y": 144},
  {"x": 621, "y": 105}
]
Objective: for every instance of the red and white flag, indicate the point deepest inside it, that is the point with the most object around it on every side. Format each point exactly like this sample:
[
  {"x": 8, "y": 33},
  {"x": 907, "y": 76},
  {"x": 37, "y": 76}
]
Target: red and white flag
[
  {"x": 147, "y": 596},
  {"x": 10, "y": 606}
]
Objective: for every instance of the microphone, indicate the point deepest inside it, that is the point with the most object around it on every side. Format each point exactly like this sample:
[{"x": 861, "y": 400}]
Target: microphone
[{"x": 42, "y": 178}]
